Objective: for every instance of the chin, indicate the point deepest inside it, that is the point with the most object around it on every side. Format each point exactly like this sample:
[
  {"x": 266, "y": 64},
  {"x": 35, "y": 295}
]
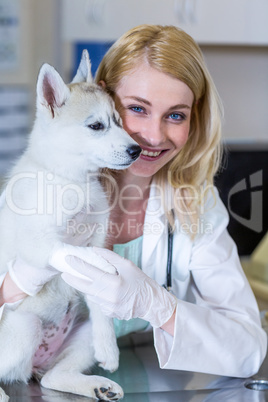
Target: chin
[{"x": 143, "y": 171}]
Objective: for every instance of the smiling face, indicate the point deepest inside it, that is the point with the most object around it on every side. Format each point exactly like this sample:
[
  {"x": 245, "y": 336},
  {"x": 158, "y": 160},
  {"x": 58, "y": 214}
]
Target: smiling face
[{"x": 156, "y": 112}]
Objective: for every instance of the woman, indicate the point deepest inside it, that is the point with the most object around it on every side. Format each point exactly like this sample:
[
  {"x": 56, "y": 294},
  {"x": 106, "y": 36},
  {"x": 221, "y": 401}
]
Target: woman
[
  {"x": 169, "y": 105},
  {"x": 209, "y": 321}
]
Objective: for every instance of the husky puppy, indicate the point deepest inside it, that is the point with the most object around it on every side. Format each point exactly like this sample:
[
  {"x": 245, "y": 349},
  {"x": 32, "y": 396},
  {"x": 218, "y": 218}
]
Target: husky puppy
[{"x": 52, "y": 189}]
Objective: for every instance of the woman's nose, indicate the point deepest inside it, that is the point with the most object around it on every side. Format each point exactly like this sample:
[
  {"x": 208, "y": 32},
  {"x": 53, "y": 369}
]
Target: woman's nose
[{"x": 153, "y": 132}]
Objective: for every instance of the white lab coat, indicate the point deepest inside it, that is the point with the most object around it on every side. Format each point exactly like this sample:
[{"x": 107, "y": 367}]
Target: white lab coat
[{"x": 217, "y": 328}]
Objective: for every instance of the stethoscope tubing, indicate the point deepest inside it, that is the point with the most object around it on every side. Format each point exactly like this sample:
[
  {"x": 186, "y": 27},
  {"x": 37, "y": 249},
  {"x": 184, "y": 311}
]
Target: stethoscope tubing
[
  {"x": 169, "y": 258},
  {"x": 168, "y": 284}
]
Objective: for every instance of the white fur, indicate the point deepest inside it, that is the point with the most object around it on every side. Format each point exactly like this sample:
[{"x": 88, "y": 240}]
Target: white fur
[{"x": 47, "y": 188}]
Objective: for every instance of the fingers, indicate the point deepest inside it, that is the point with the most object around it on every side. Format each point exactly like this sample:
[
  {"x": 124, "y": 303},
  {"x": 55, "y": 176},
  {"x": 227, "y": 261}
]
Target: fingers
[
  {"x": 82, "y": 269},
  {"x": 88, "y": 255},
  {"x": 86, "y": 285},
  {"x": 59, "y": 261},
  {"x": 108, "y": 255},
  {"x": 80, "y": 284},
  {"x": 58, "y": 258}
]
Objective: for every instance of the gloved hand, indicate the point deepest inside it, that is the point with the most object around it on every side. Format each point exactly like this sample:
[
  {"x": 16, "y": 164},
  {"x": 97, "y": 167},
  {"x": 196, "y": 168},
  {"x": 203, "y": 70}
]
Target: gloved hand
[
  {"x": 29, "y": 278},
  {"x": 127, "y": 293}
]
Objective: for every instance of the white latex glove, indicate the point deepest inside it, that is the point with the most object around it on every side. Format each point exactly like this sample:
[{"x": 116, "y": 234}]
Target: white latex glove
[
  {"x": 28, "y": 278},
  {"x": 127, "y": 293}
]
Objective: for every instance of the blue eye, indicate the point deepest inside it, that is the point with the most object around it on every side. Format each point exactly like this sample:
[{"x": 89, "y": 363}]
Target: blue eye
[
  {"x": 177, "y": 116},
  {"x": 137, "y": 109}
]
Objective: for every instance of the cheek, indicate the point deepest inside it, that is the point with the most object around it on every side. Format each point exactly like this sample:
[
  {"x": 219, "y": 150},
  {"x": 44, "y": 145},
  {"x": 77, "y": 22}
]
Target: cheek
[
  {"x": 131, "y": 124},
  {"x": 180, "y": 136}
]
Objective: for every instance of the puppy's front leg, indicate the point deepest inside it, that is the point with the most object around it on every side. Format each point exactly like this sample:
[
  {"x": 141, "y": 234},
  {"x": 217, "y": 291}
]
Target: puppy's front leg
[
  {"x": 104, "y": 339},
  {"x": 67, "y": 375},
  {"x": 20, "y": 336}
]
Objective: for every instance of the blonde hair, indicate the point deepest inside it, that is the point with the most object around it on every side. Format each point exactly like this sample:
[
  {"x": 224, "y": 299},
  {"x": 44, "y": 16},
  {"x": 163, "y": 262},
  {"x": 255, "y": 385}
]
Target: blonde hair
[{"x": 172, "y": 51}]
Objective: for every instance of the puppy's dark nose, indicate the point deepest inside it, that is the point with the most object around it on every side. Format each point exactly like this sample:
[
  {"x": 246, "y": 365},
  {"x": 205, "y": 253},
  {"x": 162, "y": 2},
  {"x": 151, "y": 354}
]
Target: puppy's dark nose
[{"x": 134, "y": 151}]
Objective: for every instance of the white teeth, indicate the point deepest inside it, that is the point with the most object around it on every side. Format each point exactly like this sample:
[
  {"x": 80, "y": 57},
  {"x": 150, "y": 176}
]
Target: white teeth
[{"x": 147, "y": 153}]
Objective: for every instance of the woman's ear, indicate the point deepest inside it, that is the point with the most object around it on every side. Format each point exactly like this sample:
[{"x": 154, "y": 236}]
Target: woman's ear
[{"x": 102, "y": 84}]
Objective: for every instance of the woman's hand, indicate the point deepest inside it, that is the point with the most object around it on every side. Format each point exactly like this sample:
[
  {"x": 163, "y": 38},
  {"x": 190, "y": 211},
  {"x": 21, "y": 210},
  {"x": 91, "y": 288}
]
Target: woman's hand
[
  {"x": 23, "y": 280},
  {"x": 29, "y": 278},
  {"x": 124, "y": 292},
  {"x": 10, "y": 292}
]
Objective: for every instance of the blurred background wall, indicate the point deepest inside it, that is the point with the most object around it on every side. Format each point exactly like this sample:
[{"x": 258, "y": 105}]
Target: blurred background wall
[
  {"x": 233, "y": 35},
  {"x": 236, "y": 49}
]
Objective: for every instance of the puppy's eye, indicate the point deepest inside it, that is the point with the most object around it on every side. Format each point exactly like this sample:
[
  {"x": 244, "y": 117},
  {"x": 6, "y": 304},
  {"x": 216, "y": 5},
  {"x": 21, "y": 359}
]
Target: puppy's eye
[{"x": 96, "y": 126}]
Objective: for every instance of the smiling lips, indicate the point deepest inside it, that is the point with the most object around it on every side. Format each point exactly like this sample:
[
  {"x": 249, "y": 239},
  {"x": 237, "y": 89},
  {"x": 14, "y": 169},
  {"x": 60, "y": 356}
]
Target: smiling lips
[{"x": 149, "y": 155}]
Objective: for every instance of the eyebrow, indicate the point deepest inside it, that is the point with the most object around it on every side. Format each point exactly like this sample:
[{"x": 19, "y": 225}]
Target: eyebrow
[{"x": 146, "y": 102}]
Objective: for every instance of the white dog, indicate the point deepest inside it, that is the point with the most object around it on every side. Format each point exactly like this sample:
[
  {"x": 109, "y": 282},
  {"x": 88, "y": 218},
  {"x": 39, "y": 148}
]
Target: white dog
[{"x": 77, "y": 131}]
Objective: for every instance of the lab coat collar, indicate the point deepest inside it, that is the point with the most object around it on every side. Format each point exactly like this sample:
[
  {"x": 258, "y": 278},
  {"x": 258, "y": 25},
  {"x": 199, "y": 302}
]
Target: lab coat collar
[
  {"x": 155, "y": 226},
  {"x": 160, "y": 197}
]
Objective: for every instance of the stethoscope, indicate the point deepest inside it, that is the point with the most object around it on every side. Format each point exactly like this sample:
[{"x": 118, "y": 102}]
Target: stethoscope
[{"x": 168, "y": 284}]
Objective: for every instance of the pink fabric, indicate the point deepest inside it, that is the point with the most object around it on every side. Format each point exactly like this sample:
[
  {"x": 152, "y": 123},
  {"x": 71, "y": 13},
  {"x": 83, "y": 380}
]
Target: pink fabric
[{"x": 53, "y": 338}]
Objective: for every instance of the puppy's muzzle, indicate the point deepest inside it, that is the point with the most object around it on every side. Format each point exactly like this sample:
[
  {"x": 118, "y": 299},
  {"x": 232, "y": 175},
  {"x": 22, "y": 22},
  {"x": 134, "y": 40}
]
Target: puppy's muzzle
[{"x": 134, "y": 152}]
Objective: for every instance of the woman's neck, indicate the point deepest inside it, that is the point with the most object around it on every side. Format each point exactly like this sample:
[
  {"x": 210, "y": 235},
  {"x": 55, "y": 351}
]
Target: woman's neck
[
  {"x": 127, "y": 216},
  {"x": 130, "y": 183}
]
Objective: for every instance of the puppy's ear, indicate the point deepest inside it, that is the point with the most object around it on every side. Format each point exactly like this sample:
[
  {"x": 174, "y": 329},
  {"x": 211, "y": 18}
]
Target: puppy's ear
[
  {"x": 52, "y": 92},
  {"x": 83, "y": 73}
]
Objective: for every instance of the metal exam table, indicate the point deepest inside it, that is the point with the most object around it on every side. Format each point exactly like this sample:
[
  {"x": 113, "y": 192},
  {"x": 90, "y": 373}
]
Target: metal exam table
[{"x": 143, "y": 381}]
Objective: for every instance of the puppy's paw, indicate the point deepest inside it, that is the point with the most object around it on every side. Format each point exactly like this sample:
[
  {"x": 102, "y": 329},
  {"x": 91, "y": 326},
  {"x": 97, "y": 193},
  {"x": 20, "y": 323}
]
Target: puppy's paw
[
  {"x": 108, "y": 359},
  {"x": 109, "y": 366},
  {"x": 112, "y": 392},
  {"x": 92, "y": 386}
]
